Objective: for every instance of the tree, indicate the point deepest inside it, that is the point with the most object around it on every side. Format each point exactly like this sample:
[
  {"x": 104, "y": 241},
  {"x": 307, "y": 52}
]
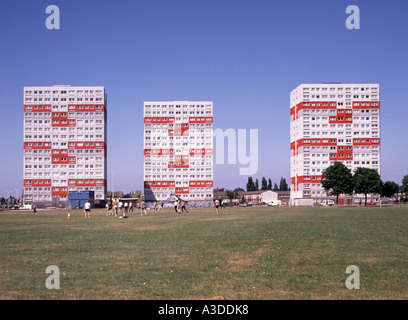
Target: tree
[
  {"x": 337, "y": 179},
  {"x": 405, "y": 184},
  {"x": 250, "y": 186},
  {"x": 256, "y": 185},
  {"x": 264, "y": 184},
  {"x": 231, "y": 194},
  {"x": 269, "y": 184},
  {"x": 365, "y": 181},
  {"x": 389, "y": 189},
  {"x": 283, "y": 186},
  {"x": 275, "y": 187}
]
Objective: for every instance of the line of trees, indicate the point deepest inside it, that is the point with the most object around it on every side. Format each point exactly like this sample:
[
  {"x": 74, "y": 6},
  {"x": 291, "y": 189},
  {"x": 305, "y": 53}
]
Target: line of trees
[
  {"x": 266, "y": 185},
  {"x": 338, "y": 179}
]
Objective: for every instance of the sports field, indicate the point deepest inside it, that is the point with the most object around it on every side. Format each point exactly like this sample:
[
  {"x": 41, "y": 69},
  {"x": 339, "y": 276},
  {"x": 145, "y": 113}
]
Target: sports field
[{"x": 244, "y": 253}]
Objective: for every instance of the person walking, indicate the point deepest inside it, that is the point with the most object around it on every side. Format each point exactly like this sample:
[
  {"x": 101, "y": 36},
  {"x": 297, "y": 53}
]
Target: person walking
[
  {"x": 183, "y": 206},
  {"x": 217, "y": 205},
  {"x": 143, "y": 208},
  {"x": 120, "y": 207},
  {"x": 125, "y": 209},
  {"x": 34, "y": 209},
  {"x": 175, "y": 206},
  {"x": 87, "y": 209},
  {"x": 115, "y": 207}
]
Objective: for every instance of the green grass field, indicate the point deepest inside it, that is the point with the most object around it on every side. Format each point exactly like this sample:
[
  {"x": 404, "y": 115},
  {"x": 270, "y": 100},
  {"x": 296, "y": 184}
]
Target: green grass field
[{"x": 244, "y": 253}]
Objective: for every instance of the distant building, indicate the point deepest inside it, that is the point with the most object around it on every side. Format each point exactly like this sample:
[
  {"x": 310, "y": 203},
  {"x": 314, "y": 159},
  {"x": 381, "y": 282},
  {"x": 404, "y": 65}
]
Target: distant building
[
  {"x": 331, "y": 122},
  {"x": 266, "y": 196},
  {"x": 178, "y": 150},
  {"x": 64, "y": 142},
  {"x": 258, "y": 197}
]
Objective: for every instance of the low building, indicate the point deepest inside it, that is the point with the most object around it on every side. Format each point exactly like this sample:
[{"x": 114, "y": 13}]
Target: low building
[
  {"x": 256, "y": 197},
  {"x": 77, "y": 199}
]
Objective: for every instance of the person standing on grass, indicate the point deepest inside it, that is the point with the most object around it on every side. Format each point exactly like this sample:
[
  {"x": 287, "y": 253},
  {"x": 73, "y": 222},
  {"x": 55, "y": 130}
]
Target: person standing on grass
[
  {"x": 115, "y": 207},
  {"x": 175, "y": 206},
  {"x": 110, "y": 208},
  {"x": 217, "y": 205},
  {"x": 130, "y": 206},
  {"x": 183, "y": 206},
  {"x": 120, "y": 207},
  {"x": 87, "y": 209},
  {"x": 143, "y": 208},
  {"x": 124, "y": 209},
  {"x": 34, "y": 209}
]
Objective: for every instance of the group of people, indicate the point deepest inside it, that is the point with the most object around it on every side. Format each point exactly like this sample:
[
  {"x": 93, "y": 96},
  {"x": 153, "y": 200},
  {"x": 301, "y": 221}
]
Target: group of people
[
  {"x": 117, "y": 207},
  {"x": 157, "y": 207},
  {"x": 143, "y": 207},
  {"x": 180, "y": 206}
]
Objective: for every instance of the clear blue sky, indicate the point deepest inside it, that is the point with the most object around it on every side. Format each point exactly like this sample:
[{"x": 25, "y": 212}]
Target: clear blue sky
[{"x": 246, "y": 56}]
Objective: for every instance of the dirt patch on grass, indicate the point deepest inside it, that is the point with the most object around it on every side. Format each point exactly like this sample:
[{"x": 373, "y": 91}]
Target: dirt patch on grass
[
  {"x": 370, "y": 259},
  {"x": 212, "y": 298},
  {"x": 249, "y": 291},
  {"x": 241, "y": 261}
]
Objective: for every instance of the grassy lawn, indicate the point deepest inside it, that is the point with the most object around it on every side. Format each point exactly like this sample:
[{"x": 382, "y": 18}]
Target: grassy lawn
[{"x": 244, "y": 253}]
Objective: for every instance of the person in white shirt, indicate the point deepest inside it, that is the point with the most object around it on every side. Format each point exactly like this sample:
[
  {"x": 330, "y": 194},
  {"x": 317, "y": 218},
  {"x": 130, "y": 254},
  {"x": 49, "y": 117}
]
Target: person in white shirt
[
  {"x": 176, "y": 206},
  {"x": 125, "y": 208},
  {"x": 87, "y": 209}
]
